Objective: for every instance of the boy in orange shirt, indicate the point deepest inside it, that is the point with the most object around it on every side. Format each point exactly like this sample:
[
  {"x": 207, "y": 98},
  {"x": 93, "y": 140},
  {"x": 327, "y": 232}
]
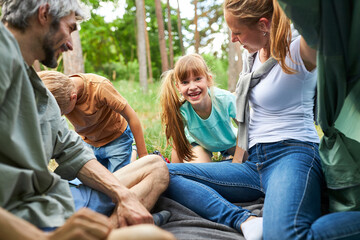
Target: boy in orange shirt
[{"x": 99, "y": 114}]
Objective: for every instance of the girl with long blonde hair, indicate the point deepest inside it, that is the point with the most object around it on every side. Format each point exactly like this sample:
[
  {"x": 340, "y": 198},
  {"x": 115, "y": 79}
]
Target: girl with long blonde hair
[{"x": 196, "y": 116}]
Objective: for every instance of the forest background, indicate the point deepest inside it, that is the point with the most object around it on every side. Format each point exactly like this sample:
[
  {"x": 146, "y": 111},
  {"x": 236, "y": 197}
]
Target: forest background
[
  {"x": 132, "y": 42},
  {"x": 133, "y": 49}
]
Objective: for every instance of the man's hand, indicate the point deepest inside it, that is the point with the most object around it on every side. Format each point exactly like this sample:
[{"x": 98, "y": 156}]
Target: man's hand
[
  {"x": 84, "y": 224},
  {"x": 129, "y": 211}
]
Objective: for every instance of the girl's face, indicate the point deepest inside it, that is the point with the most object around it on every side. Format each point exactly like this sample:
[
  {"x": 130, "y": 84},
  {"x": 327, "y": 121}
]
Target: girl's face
[
  {"x": 194, "y": 89},
  {"x": 251, "y": 38}
]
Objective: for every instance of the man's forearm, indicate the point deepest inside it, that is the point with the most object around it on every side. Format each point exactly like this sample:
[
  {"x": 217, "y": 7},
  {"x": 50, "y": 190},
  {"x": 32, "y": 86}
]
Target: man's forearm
[
  {"x": 96, "y": 176},
  {"x": 129, "y": 210}
]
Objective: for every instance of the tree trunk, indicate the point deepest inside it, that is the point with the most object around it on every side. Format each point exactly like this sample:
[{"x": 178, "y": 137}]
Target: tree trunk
[
  {"x": 73, "y": 60},
  {"x": 235, "y": 63},
  {"x": 196, "y": 35},
  {"x": 179, "y": 29},
  {"x": 148, "y": 52},
  {"x": 171, "y": 51},
  {"x": 141, "y": 46},
  {"x": 162, "y": 43}
]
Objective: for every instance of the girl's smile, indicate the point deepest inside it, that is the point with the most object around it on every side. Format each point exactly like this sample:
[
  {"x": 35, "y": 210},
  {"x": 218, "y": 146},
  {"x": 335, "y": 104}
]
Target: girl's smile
[{"x": 194, "y": 89}]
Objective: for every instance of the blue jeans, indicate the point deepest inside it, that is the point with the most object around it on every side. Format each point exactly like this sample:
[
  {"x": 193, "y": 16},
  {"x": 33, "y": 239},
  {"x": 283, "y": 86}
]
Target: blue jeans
[
  {"x": 115, "y": 154},
  {"x": 290, "y": 174},
  {"x": 85, "y": 196}
]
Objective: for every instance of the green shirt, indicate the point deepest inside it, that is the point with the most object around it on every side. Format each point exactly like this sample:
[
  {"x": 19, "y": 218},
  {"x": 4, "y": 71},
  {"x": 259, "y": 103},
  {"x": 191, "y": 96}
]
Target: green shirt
[
  {"x": 332, "y": 27},
  {"x": 32, "y": 132}
]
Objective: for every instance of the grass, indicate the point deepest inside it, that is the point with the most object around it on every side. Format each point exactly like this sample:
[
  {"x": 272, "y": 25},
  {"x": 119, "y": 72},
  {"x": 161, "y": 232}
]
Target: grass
[{"x": 147, "y": 107}]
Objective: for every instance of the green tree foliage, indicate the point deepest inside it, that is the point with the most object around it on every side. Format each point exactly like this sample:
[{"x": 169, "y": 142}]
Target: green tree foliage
[
  {"x": 96, "y": 3},
  {"x": 109, "y": 47},
  {"x": 210, "y": 22}
]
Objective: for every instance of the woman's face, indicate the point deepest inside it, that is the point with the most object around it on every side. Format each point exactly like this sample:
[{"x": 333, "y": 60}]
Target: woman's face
[{"x": 250, "y": 37}]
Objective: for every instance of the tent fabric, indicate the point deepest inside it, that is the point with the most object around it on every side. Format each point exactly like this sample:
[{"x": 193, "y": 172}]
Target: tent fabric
[{"x": 332, "y": 27}]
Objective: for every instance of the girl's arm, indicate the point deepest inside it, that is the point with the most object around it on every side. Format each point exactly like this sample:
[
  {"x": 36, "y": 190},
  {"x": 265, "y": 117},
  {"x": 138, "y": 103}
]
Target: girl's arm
[
  {"x": 308, "y": 55},
  {"x": 134, "y": 122},
  {"x": 174, "y": 156}
]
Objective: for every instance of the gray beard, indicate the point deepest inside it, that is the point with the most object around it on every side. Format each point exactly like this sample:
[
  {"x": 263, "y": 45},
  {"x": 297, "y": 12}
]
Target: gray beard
[
  {"x": 48, "y": 47},
  {"x": 49, "y": 60}
]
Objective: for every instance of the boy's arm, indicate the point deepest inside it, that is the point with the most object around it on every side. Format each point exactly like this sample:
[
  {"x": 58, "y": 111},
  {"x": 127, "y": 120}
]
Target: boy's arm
[
  {"x": 131, "y": 117},
  {"x": 113, "y": 99}
]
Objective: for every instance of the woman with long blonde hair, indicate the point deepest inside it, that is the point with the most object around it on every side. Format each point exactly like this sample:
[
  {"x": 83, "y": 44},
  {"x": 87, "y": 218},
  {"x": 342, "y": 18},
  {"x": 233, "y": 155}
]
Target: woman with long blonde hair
[
  {"x": 278, "y": 82},
  {"x": 196, "y": 116}
]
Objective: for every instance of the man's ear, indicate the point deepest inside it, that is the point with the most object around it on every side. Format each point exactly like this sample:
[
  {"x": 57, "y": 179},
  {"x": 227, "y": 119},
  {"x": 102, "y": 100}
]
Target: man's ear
[{"x": 43, "y": 14}]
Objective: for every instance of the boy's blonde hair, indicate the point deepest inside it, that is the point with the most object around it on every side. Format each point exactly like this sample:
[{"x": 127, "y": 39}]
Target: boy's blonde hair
[
  {"x": 59, "y": 85},
  {"x": 171, "y": 101}
]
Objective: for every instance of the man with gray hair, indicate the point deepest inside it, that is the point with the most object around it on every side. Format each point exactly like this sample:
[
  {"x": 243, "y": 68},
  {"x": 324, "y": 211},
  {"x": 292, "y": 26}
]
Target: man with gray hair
[{"x": 33, "y": 132}]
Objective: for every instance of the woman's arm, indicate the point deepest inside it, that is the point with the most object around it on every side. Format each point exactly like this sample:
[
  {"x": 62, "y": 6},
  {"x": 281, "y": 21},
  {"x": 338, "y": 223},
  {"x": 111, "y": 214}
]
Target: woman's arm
[
  {"x": 134, "y": 122},
  {"x": 308, "y": 55},
  {"x": 240, "y": 154}
]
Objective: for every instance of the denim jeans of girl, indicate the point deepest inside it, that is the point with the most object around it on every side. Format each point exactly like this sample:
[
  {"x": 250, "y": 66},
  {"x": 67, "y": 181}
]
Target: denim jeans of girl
[{"x": 288, "y": 173}]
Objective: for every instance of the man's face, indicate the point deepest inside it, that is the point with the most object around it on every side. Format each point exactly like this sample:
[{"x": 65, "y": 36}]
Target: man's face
[{"x": 58, "y": 40}]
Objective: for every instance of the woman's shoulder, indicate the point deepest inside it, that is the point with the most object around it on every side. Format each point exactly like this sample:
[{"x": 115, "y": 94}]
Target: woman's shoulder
[{"x": 296, "y": 61}]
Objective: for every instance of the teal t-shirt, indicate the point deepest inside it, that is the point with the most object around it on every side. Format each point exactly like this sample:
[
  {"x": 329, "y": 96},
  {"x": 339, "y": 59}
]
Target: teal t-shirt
[{"x": 216, "y": 133}]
